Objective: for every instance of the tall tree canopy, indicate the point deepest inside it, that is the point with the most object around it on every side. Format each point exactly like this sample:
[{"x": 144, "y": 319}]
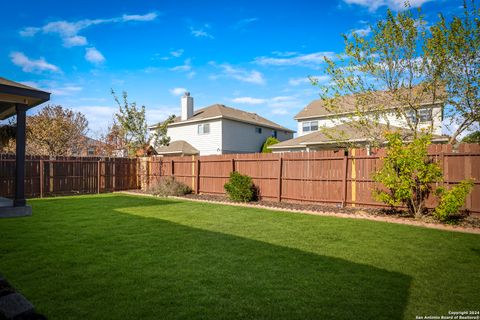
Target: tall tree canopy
[
  {"x": 454, "y": 46},
  {"x": 56, "y": 131},
  {"x": 411, "y": 65},
  {"x": 132, "y": 123}
]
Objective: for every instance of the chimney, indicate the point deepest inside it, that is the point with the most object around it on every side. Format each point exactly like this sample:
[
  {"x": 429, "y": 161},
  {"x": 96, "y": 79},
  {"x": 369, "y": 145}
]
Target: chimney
[{"x": 187, "y": 106}]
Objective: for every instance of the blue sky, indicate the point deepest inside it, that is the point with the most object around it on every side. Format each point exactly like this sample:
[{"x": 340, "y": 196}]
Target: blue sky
[{"x": 252, "y": 55}]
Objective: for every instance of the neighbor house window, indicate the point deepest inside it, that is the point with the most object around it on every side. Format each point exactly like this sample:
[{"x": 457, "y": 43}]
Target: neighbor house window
[
  {"x": 204, "y": 128},
  {"x": 274, "y": 134},
  {"x": 258, "y": 130},
  {"x": 91, "y": 151},
  {"x": 310, "y": 126},
  {"x": 424, "y": 115}
]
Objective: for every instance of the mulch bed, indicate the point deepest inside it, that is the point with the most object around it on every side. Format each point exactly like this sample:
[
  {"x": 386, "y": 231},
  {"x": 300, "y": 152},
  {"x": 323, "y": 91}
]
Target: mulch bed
[
  {"x": 464, "y": 221},
  {"x": 399, "y": 216}
]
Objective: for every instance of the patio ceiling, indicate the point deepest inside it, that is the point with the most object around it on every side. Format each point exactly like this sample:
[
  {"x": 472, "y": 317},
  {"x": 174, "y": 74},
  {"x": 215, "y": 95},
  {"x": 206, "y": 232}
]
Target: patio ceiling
[{"x": 12, "y": 93}]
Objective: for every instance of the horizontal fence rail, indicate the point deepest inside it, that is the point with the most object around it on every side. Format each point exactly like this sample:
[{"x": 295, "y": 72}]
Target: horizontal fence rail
[{"x": 329, "y": 177}]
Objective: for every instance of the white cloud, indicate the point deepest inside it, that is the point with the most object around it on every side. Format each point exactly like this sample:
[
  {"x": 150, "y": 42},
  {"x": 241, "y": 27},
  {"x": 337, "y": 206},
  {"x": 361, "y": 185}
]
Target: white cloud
[
  {"x": 178, "y": 91},
  {"x": 138, "y": 17},
  {"x": 314, "y": 59},
  {"x": 94, "y": 56},
  {"x": 75, "y": 41},
  {"x": 171, "y": 55},
  {"x": 65, "y": 91},
  {"x": 278, "y": 105},
  {"x": 242, "y": 24},
  {"x": 68, "y": 31},
  {"x": 186, "y": 66},
  {"x": 30, "y": 65},
  {"x": 306, "y": 80},
  {"x": 397, "y": 5},
  {"x": 29, "y": 31},
  {"x": 228, "y": 71},
  {"x": 201, "y": 32},
  {"x": 176, "y": 53},
  {"x": 362, "y": 32},
  {"x": 248, "y": 100}
]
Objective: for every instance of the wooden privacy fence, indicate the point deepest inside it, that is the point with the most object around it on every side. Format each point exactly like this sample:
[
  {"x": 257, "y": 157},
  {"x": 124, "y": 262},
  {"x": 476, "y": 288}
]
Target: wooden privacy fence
[
  {"x": 312, "y": 177},
  {"x": 54, "y": 176}
]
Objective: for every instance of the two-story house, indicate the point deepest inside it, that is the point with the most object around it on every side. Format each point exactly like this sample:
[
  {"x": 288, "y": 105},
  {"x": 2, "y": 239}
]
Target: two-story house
[
  {"x": 218, "y": 129},
  {"x": 319, "y": 128}
]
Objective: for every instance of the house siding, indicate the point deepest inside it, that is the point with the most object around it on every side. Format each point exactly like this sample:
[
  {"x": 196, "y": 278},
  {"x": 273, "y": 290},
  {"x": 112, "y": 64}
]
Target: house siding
[
  {"x": 206, "y": 144},
  {"x": 392, "y": 118},
  {"x": 239, "y": 137}
]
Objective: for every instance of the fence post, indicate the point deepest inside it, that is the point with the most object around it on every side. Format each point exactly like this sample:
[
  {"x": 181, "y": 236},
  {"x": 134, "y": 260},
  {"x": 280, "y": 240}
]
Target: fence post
[
  {"x": 98, "y": 176},
  {"x": 344, "y": 180},
  {"x": 233, "y": 164},
  {"x": 280, "y": 165},
  {"x": 197, "y": 177},
  {"x": 41, "y": 177},
  {"x": 468, "y": 175},
  {"x": 354, "y": 182},
  {"x": 114, "y": 186},
  {"x": 50, "y": 174},
  {"x": 444, "y": 169}
]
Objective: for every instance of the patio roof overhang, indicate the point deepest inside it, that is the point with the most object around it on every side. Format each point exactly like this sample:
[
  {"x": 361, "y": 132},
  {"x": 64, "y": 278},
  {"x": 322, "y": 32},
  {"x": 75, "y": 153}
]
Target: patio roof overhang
[
  {"x": 13, "y": 93},
  {"x": 15, "y": 100}
]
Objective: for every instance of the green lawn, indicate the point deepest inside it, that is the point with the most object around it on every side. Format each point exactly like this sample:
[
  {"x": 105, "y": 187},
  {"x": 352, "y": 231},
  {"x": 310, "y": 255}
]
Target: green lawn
[{"x": 126, "y": 257}]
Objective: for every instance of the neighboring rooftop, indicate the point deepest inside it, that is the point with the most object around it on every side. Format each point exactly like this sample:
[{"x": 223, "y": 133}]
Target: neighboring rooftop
[
  {"x": 217, "y": 111},
  {"x": 343, "y": 133},
  {"x": 178, "y": 147},
  {"x": 366, "y": 102}
]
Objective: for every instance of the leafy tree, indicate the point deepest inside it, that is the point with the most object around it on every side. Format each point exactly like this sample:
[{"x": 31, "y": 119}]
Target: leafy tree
[
  {"x": 454, "y": 48},
  {"x": 113, "y": 141},
  {"x": 407, "y": 174},
  {"x": 132, "y": 123},
  {"x": 7, "y": 135},
  {"x": 473, "y": 137},
  {"x": 392, "y": 60},
  {"x": 56, "y": 131},
  {"x": 160, "y": 137},
  {"x": 270, "y": 141}
]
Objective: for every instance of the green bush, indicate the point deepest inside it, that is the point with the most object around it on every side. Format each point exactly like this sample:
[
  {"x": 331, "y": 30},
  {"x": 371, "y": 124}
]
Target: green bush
[
  {"x": 407, "y": 174},
  {"x": 168, "y": 186},
  {"x": 240, "y": 188},
  {"x": 269, "y": 142},
  {"x": 452, "y": 200}
]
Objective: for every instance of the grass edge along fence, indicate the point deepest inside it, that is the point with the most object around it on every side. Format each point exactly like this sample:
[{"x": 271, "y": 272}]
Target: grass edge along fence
[{"x": 330, "y": 177}]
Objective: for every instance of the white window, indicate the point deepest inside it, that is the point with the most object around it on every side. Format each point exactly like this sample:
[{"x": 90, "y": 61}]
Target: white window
[
  {"x": 310, "y": 126},
  {"x": 204, "y": 128},
  {"x": 258, "y": 130},
  {"x": 422, "y": 115}
]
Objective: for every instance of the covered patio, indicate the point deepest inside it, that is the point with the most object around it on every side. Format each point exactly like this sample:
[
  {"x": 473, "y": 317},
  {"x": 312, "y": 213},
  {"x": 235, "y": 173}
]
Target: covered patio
[{"x": 15, "y": 100}]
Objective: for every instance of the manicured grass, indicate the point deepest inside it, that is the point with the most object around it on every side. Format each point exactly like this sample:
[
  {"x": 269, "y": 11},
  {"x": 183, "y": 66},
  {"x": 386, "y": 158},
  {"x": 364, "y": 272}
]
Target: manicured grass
[{"x": 125, "y": 257}]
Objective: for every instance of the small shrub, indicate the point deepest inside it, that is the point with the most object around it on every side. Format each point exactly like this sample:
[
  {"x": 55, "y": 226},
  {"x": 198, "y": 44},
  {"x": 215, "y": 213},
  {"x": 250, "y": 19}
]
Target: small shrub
[
  {"x": 168, "y": 186},
  {"x": 240, "y": 188},
  {"x": 452, "y": 200}
]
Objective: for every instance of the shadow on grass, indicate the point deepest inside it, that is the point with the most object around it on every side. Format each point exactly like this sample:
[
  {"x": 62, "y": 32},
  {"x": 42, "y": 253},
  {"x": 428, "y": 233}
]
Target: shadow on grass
[{"x": 114, "y": 265}]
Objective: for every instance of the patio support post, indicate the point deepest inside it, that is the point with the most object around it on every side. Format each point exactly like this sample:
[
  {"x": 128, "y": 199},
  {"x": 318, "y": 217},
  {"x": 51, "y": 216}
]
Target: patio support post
[{"x": 19, "y": 200}]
